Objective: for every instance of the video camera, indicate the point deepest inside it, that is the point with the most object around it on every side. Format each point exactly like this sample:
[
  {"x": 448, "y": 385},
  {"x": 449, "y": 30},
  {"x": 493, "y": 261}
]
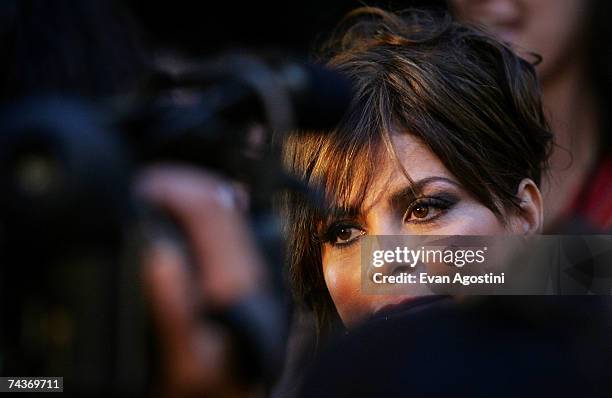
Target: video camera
[{"x": 69, "y": 278}]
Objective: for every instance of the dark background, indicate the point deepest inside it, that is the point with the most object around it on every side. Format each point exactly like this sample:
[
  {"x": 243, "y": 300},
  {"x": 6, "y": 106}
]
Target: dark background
[
  {"x": 97, "y": 48},
  {"x": 210, "y": 26}
]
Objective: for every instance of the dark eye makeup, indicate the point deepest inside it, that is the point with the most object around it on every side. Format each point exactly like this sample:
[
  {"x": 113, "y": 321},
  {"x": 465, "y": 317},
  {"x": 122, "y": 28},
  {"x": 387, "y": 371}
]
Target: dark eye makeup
[
  {"x": 428, "y": 209},
  {"x": 343, "y": 233}
]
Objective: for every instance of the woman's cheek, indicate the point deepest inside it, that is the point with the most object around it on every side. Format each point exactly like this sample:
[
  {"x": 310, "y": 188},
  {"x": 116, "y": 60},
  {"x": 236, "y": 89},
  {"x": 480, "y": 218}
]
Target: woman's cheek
[
  {"x": 471, "y": 219},
  {"x": 342, "y": 276}
]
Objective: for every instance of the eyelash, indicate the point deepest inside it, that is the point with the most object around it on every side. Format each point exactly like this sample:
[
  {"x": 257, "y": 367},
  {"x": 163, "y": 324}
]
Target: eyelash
[
  {"x": 441, "y": 204},
  {"x": 330, "y": 234}
]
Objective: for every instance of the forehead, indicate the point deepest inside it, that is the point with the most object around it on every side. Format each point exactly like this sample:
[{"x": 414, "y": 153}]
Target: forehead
[
  {"x": 411, "y": 161},
  {"x": 416, "y": 158}
]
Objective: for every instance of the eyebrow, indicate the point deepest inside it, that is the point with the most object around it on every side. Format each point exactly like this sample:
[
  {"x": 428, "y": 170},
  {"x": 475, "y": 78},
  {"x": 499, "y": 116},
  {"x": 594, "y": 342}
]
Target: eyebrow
[
  {"x": 396, "y": 200},
  {"x": 412, "y": 191}
]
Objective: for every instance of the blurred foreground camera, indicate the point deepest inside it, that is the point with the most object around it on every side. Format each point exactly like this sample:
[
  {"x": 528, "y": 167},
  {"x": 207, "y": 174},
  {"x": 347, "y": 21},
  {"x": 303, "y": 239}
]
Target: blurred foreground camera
[{"x": 69, "y": 225}]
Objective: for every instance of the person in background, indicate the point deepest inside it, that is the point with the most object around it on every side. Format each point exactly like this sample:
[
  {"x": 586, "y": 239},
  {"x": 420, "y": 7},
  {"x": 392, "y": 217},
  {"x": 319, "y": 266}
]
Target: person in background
[{"x": 572, "y": 39}]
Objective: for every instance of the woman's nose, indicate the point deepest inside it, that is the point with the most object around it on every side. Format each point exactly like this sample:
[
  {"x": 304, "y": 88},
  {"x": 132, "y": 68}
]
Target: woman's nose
[{"x": 386, "y": 225}]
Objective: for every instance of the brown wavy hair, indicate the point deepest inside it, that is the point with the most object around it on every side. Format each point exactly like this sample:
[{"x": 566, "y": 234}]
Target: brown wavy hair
[{"x": 467, "y": 96}]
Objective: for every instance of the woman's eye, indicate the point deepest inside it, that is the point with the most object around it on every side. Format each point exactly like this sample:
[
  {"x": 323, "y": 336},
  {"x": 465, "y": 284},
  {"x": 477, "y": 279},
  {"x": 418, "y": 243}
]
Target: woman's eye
[
  {"x": 425, "y": 210},
  {"x": 420, "y": 211},
  {"x": 346, "y": 234}
]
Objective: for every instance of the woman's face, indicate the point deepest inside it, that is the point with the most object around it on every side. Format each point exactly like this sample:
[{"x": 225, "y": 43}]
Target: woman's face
[
  {"x": 441, "y": 207},
  {"x": 550, "y": 28}
]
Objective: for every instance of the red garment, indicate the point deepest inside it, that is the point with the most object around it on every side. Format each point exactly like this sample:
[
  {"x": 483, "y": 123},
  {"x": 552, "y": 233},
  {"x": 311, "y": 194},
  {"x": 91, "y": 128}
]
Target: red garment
[{"x": 594, "y": 203}]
